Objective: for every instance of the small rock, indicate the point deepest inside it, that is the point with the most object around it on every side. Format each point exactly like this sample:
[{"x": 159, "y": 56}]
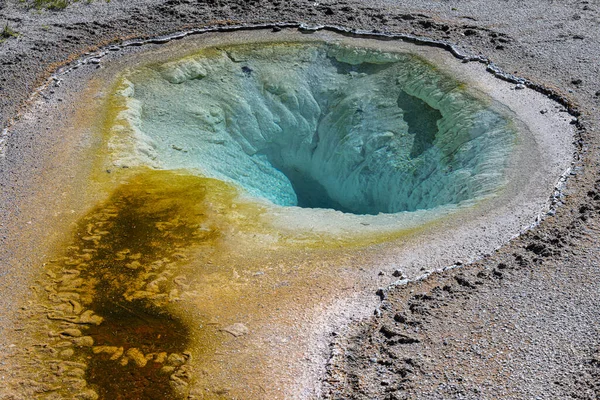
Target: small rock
[
  {"x": 576, "y": 81},
  {"x": 597, "y": 94},
  {"x": 398, "y": 274},
  {"x": 400, "y": 318},
  {"x": 237, "y": 329},
  {"x": 247, "y": 70},
  {"x": 462, "y": 281},
  {"x": 520, "y": 86},
  {"x": 544, "y": 111},
  {"x": 381, "y": 293}
]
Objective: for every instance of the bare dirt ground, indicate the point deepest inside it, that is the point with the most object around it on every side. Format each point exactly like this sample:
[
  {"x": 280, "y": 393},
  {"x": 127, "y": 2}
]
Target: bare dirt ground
[{"x": 521, "y": 323}]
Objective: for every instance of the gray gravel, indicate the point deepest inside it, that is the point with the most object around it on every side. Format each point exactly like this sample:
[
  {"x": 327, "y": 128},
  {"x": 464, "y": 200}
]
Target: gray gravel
[{"x": 517, "y": 326}]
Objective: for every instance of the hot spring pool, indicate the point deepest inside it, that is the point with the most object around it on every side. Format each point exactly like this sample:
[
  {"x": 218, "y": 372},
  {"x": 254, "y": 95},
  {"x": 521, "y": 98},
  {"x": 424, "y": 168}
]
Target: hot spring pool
[{"x": 231, "y": 199}]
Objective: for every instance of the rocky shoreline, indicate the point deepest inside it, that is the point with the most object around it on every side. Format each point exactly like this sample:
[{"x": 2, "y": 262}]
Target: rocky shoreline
[{"x": 521, "y": 323}]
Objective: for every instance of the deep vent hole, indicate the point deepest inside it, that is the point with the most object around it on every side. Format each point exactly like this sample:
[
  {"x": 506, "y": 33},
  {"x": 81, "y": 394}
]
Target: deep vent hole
[
  {"x": 311, "y": 194},
  {"x": 422, "y": 122}
]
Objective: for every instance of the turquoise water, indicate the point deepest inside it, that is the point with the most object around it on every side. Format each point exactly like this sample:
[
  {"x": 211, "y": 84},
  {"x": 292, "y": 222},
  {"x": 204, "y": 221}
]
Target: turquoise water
[{"x": 320, "y": 126}]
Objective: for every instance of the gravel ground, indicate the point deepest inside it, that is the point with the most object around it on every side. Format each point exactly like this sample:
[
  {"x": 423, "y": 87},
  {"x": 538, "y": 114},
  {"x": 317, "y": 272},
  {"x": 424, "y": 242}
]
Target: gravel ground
[
  {"x": 522, "y": 323},
  {"x": 517, "y": 326}
]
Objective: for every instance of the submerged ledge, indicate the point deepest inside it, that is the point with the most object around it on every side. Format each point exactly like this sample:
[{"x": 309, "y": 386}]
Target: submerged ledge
[{"x": 258, "y": 299}]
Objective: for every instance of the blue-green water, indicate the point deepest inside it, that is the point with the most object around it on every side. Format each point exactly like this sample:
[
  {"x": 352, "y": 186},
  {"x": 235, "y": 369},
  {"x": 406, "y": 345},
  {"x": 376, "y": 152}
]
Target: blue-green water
[{"x": 320, "y": 126}]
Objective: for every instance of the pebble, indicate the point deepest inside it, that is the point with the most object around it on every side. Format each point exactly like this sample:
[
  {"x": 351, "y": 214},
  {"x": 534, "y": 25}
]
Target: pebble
[{"x": 398, "y": 274}]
